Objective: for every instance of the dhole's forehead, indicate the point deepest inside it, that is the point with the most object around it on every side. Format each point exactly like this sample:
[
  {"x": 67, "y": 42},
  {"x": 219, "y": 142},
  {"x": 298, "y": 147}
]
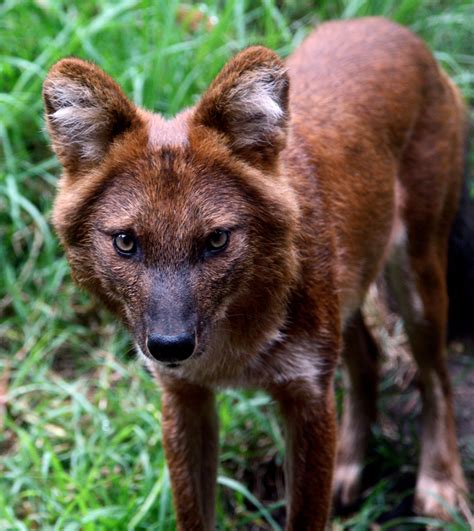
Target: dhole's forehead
[{"x": 175, "y": 187}]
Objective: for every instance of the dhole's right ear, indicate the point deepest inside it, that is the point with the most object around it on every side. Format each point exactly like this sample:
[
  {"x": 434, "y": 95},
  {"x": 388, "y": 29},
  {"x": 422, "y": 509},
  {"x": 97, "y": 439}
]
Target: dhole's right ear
[{"x": 85, "y": 112}]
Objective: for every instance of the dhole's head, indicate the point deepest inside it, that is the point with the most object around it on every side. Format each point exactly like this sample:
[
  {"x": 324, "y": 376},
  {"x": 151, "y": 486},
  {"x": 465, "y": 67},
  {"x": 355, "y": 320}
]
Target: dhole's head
[{"x": 184, "y": 228}]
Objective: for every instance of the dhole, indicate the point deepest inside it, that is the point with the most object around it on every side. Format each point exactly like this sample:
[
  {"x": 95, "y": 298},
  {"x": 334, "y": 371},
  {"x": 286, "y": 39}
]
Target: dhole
[{"x": 238, "y": 240}]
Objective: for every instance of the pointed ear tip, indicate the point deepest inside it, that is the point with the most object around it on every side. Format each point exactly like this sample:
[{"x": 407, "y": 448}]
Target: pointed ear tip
[
  {"x": 65, "y": 72},
  {"x": 258, "y": 49},
  {"x": 69, "y": 67},
  {"x": 69, "y": 71},
  {"x": 262, "y": 55},
  {"x": 64, "y": 64}
]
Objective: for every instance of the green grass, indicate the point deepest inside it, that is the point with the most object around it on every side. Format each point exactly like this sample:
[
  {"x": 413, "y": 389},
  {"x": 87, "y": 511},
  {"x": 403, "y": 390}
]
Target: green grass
[{"x": 80, "y": 431}]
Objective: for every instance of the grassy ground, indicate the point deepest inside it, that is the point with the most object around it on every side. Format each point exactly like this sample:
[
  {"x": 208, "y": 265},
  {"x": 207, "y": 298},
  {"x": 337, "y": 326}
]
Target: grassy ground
[{"x": 80, "y": 435}]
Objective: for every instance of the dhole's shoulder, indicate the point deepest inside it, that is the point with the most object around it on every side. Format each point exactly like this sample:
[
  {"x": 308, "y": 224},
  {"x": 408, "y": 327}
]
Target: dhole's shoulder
[
  {"x": 368, "y": 64},
  {"x": 367, "y": 29},
  {"x": 360, "y": 42}
]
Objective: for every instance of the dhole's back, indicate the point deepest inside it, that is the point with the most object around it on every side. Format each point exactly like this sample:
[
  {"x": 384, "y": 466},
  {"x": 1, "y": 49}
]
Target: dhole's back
[{"x": 365, "y": 94}]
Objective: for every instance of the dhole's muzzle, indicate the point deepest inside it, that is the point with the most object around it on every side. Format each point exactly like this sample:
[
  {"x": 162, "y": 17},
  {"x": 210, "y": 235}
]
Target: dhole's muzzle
[{"x": 170, "y": 320}]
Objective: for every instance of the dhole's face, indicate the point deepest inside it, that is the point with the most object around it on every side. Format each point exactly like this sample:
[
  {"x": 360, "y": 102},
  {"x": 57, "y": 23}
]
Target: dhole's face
[
  {"x": 174, "y": 242},
  {"x": 183, "y": 228}
]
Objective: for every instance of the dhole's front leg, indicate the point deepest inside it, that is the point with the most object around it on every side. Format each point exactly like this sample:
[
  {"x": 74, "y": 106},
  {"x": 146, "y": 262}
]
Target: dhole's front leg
[
  {"x": 310, "y": 421},
  {"x": 190, "y": 436}
]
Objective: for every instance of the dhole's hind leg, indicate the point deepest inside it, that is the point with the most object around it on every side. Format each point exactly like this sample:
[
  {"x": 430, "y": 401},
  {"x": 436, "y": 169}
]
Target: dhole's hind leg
[
  {"x": 418, "y": 283},
  {"x": 360, "y": 356}
]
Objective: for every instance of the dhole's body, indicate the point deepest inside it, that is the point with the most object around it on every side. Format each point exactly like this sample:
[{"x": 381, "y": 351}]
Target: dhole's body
[{"x": 360, "y": 174}]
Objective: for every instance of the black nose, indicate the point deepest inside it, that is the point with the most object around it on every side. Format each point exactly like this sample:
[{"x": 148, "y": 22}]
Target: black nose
[{"x": 171, "y": 349}]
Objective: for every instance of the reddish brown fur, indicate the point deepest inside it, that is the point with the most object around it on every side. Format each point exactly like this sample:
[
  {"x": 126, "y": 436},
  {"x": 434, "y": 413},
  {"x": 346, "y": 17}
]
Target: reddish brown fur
[{"x": 357, "y": 169}]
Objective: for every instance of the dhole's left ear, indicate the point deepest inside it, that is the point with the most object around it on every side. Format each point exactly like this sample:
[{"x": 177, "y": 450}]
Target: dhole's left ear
[
  {"x": 85, "y": 112},
  {"x": 248, "y": 104}
]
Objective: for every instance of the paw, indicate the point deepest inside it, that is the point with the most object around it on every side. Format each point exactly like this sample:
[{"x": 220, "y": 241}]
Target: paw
[
  {"x": 346, "y": 485},
  {"x": 441, "y": 498}
]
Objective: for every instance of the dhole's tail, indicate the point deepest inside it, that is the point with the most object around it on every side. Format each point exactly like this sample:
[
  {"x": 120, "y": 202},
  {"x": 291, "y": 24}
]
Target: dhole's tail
[{"x": 461, "y": 264}]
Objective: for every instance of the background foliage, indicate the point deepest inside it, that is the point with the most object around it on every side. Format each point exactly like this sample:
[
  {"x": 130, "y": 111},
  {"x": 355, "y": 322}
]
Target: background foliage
[{"x": 80, "y": 435}]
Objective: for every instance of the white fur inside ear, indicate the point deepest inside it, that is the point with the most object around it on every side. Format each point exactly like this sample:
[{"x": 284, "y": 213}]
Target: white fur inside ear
[
  {"x": 78, "y": 119},
  {"x": 255, "y": 107}
]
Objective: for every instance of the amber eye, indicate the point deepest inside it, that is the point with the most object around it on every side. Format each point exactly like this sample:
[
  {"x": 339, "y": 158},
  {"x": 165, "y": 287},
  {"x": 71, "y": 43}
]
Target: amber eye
[
  {"x": 218, "y": 240},
  {"x": 125, "y": 244}
]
